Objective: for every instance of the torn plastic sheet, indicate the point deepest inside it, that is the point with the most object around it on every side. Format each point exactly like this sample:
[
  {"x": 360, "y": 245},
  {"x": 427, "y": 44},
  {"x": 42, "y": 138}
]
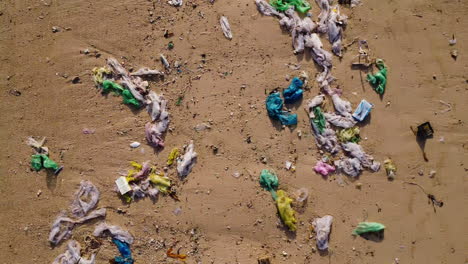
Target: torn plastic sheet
[
  {"x": 323, "y": 168},
  {"x": 323, "y": 16},
  {"x": 342, "y": 106},
  {"x": 156, "y": 104},
  {"x": 316, "y": 101},
  {"x": 274, "y": 105},
  {"x": 322, "y": 57},
  {"x": 327, "y": 140},
  {"x": 226, "y": 27},
  {"x": 186, "y": 162},
  {"x": 73, "y": 255},
  {"x": 85, "y": 199},
  {"x": 115, "y": 232},
  {"x": 63, "y": 226},
  {"x": 322, "y": 227},
  {"x": 154, "y": 132},
  {"x": 340, "y": 121},
  {"x": 133, "y": 83},
  {"x": 350, "y": 166},
  {"x": 266, "y": 9},
  {"x": 335, "y": 25},
  {"x": 355, "y": 151}
]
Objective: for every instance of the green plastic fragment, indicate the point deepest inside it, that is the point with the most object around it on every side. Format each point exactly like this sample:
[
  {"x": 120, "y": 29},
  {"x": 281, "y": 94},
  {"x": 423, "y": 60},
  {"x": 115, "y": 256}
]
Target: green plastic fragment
[
  {"x": 110, "y": 86},
  {"x": 319, "y": 119},
  {"x": 269, "y": 182},
  {"x": 129, "y": 99},
  {"x": 379, "y": 80},
  {"x": 366, "y": 227},
  {"x": 282, "y": 5},
  {"x": 39, "y": 161}
]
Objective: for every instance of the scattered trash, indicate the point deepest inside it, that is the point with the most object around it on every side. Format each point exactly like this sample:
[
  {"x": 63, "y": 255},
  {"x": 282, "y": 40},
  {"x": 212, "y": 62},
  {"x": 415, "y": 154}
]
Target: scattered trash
[
  {"x": 319, "y": 119},
  {"x": 135, "y": 144},
  {"x": 379, "y": 80},
  {"x": 322, "y": 227},
  {"x": 283, "y": 202},
  {"x": 88, "y": 131},
  {"x": 39, "y": 161},
  {"x": 366, "y": 227},
  {"x": 269, "y": 182},
  {"x": 177, "y": 211},
  {"x": 266, "y": 9},
  {"x": 350, "y": 166},
  {"x": 202, "y": 127},
  {"x": 323, "y": 168},
  {"x": 263, "y": 259},
  {"x": 288, "y": 165},
  {"x": 349, "y": 135},
  {"x": 125, "y": 252},
  {"x": 453, "y": 41},
  {"x": 173, "y": 156},
  {"x": 122, "y": 185},
  {"x": 186, "y": 162},
  {"x": 100, "y": 73},
  {"x": 164, "y": 62},
  {"x": 454, "y": 54},
  {"x": 339, "y": 120},
  {"x": 363, "y": 110},
  {"x": 86, "y": 199},
  {"x": 274, "y": 105},
  {"x": 225, "y": 27},
  {"x": 14, "y": 92},
  {"x": 390, "y": 168},
  {"x": 178, "y": 256},
  {"x": 335, "y": 25},
  {"x": 294, "y": 92},
  {"x": 115, "y": 232},
  {"x": 136, "y": 86},
  {"x": 425, "y": 131},
  {"x": 432, "y": 174},
  {"x": 154, "y": 131},
  {"x": 73, "y": 255},
  {"x": 283, "y": 5},
  {"x": 355, "y": 151},
  {"x": 175, "y": 2},
  {"x": 301, "y": 195},
  {"x": 236, "y": 175}
]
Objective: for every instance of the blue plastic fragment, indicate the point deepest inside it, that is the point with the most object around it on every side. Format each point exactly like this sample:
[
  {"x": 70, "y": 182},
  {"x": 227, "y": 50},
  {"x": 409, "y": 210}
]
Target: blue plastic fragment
[
  {"x": 362, "y": 110},
  {"x": 294, "y": 91},
  {"x": 274, "y": 106},
  {"x": 125, "y": 252}
]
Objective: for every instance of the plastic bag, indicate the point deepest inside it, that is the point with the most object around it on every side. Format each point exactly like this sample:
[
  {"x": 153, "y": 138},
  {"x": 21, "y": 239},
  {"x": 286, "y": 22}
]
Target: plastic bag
[
  {"x": 73, "y": 255},
  {"x": 265, "y": 8},
  {"x": 282, "y": 5},
  {"x": 342, "y": 106},
  {"x": 349, "y": 135},
  {"x": 187, "y": 161},
  {"x": 173, "y": 156},
  {"x": 366, "y": 227},
  {"x": 269, "y": 182},
  {"x": 115, "y": 231},
  {"x": 80, "y": 207},
  {"x": 125, "y": 252},
  {"x": 378, "y": 80},
  {"x": 274, "y": 105},
  {"x": 390, "y": 168},
  {"x": 99, "y": 73},
  {"x": 319, "y": 121},
  {"x": 323, "y": 168},
  {"x": 314, "y": 102},
  {"x": 294, "y": 91},
  {"x": 285, "y": 210},
  {"x": 39, "y": 161},
  {"x": 350, "y": 166},
  {"x": 339, "y": 120},
  {"x": 161, "y": 182},
  {"x": 365, "y": 159},
  {"x": 322, "y": 227},
  {"x": 327, "y": 140}
]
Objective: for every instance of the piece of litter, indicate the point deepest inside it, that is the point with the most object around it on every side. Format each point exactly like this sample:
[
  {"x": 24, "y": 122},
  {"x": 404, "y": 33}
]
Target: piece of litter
[
  {"x": 453, "y": 41},
  {"x": 432, "y": 174},
  {"x": 175, "y": 2},
  {"x": 225, "y": 27},
  {"x": 88, "y": 131},
  {"x": 288, "y": 165},
  {"x": 177, "y": 211},
  {"x": 122, "y": 185},
  {"x": 322, "y": 227},
  {"x": 135, "y": 144},
  {"x": 442, "y": 139},
  {"x": 202, "y": 127},
  {"x": 236, "y": 175}
]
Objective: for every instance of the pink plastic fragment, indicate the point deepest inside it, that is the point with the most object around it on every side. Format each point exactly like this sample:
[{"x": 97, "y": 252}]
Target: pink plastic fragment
[{"x": 323, "y": 168}]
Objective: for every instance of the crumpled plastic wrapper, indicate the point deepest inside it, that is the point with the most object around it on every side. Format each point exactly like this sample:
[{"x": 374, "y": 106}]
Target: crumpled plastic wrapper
[
  {"x": 340, "y": 121},
  {"x": 322, "y": 227},
  {"x": 342, "y": 106},
  {"x": 80, "y": 207},
  {"x": 226, "y": 27},
  {"x": 73, "y": 255},
  {"x": 350, "y": 166},
  {"x": 187, "y": 161},
  {"x": 355, "y": 151},
  {"x": 115, "y": 231}
]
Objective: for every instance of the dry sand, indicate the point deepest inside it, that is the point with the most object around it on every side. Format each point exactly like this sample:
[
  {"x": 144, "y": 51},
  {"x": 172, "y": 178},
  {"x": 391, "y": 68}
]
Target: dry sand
[{"x": 224, "y": 219}]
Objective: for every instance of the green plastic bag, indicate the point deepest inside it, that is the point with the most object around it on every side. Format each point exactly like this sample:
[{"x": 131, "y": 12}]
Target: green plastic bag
[
  {"x": 282, "y": 5},
  {"x": 379, "y": 80},
  {"x": 269, "y": 182},
  {"x": 319, "y": 119},
  {"x": 366, "y": 227},
  {"x": 40, "y": 161},
  {"x": 128, "y": 98}
]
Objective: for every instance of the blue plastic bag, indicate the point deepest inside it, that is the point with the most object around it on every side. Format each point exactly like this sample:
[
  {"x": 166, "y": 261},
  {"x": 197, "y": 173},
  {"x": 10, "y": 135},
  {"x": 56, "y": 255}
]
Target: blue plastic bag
[
  {"x": 125, "y": 252},
  {"x": 294, "y": 91},
  {"x": 362, "y": 110},
  {"x": 274, "y": 106}
]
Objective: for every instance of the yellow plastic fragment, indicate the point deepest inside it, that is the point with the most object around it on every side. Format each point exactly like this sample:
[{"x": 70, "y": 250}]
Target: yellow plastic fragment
[
  {"x": 285, "y": 211},
  {"x": 161, "y": 182},
  {"x": 98, "y": 74},
  {"x": 173, "y": 156}
]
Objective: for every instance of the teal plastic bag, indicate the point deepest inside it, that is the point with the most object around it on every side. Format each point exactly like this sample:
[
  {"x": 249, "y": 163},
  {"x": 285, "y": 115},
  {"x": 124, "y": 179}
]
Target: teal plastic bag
[
  {"x": 366, "y": 227},
  {"x": 378, "y": 80},
  {"x": 269, "y": 182},
  {"x": 274, "y": 106},
  {"x": 294, "y": 91}
]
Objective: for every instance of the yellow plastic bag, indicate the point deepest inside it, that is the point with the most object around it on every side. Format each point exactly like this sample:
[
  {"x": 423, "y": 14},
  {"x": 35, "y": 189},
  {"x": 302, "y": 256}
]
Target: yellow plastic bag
[
  {"x": 285, "y": 211},
  {"x": 173, "y": 156},
  {"x": 98, "y": 74},
  {"x": 161, "y": 182}
]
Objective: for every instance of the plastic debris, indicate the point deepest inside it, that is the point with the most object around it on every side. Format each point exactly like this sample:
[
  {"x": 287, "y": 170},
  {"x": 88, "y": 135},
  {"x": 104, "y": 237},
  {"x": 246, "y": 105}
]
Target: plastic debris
[
  {"x": 202, "y": 127},
  {"x": 173, "y": 156},
  {"x": 283, "y": 5},
  {"x": 274, "y": 105},
  {"x": 365, "y": 159},
  {"x": 73, "y": 255},
  {"x": 314, "y": 102},
  {"x": 265, "y": 8},
  {"x": 327, "y": 140},
  {"x": 283, "y": 202},
  {"x": 154, "y": 132},
  {"x": 363, "y": 110},
  {"x": 378, "y": 80},
  {"x": 39, "y": 161},
  {"x": 88, "y": 131},
  {"x": 350, "y": 166},
  {"x": 322, "y": 227},
  {"x": 390, "y": 168},
  {"x": 225, "y": 27},
  {"x": 146, "y": 72},
  {"x": 322, "y": 57},
  {"x": 339, "y": 120},
  {"x": 100, "y": 73},
  {"x": 116, "y": 232},
  {"x": 38, "y": 146},
  {"x": 63, "y": 226},
  {"x": 342, "y": 106},
  {"x": 86, "y": 199},
  {"x": 366, "y": 227},
  {"x": 175, "y": 2},
  {"x": 125, "y": 252},
  {"x": 187, "y": 161},
  {"x": 432, "y": 174},
  {"x": 154, "y": 105},
  {"x": 294, "y": 91},
  {"x": 178, "y": 256},
  {"x": 453, "y": 40},
  {"x": 301, "y": 195},
  {"x": 335, "y": 25},
  {"x": 319, "y": 120},
  {"x": 164, "y": 61},
  {"x": 323, "y": 168},
  {"x": 135, "y": 144},
  {"x": 425, "y": 131},
  {"x": 122, "y": 185},
  {"x": 323, "y": 16},
  {"x": 161, "y": 182},
  {"x": 128, "y": 98},
  {"x": 269, "y": 182},
  {"x": 349, "y": 135}
]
